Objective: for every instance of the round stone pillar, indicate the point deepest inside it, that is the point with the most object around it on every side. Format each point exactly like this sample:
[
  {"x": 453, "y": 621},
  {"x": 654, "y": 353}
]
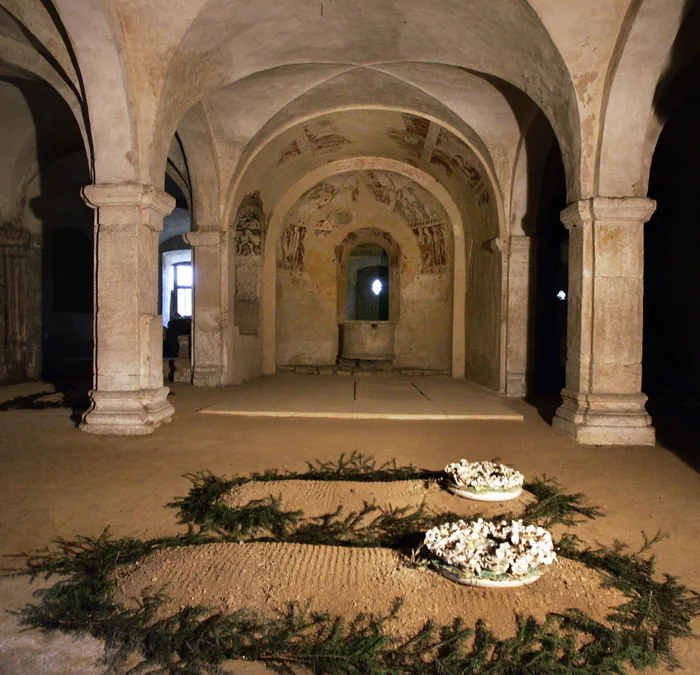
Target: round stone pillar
[
  {"x": 208, "y": 320},
  {"x": 128, "y": 397},
  {"x": 603, "y": 403}
]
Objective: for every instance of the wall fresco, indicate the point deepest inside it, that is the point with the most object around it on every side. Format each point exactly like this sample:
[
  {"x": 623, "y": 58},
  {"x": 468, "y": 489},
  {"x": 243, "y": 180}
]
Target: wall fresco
[
  {"x": 430, "y": 236},
  {"x": 411, "y": 206},
  {"x": 292, "y": 244},
  {"x": 449, "y": 153},
  {"x": 290, "y": 151},
  {"x": 332, "y": 203},
  {"x": 322, "y": 137},
  {"x": 412, "y": 137}
]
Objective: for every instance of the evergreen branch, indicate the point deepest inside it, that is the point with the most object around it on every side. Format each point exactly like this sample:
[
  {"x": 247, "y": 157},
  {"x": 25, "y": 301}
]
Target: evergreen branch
[
  {"x": 554, "y": 506},
  {"x": 639, "y": 633}
]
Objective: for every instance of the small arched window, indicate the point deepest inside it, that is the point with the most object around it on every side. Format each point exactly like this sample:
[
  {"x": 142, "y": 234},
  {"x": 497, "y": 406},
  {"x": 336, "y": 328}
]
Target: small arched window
[
  {"x": 182, "y": 289},
  {"x": 368, "y": 284}
]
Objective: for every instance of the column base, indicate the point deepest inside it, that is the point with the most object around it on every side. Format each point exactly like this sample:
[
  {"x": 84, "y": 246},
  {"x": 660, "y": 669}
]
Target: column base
[
  {"x": 605, "y": 419},
  {"x": 516, "y": 384},
  {"x": 207, "y": 376},
  {"x": 127, "y": 413}
]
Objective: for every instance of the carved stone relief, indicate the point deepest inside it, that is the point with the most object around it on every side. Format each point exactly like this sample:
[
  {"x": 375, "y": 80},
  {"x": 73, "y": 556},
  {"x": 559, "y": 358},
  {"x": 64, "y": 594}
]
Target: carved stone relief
[{"x": 251, "y": 223}]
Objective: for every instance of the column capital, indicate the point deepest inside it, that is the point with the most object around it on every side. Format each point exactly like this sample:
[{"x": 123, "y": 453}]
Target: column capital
[
  {"x": 632, "y": 210},
  {"x": 204, "y": 236},
  {"x": 116, "y": 201}
]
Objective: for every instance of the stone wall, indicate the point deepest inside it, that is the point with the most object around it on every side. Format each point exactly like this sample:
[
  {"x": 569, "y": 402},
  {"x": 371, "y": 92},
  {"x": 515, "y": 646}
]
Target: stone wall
[{"x": 20, "y": 304}]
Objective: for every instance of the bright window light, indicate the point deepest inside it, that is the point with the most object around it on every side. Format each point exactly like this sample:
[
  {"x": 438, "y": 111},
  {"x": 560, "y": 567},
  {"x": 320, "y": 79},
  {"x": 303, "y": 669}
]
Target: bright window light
[
  {"x": 561, "y": 295},
  {"x": 184, "y": 275},
  {"x": 377, "y": 286}
]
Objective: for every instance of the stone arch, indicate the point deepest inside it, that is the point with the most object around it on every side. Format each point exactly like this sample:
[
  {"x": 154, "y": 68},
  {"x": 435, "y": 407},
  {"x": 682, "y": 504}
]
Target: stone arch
[
  {"x": 205, "y": 61},
  {"x": 274, "y": 230},
  {"x": 470, "y": 139},
  {"x": 97, "y": 39},
  {"x": 198, "y": 146},
  {"x": 642, "y": 51},
  {"x": 29, "y": 64}
]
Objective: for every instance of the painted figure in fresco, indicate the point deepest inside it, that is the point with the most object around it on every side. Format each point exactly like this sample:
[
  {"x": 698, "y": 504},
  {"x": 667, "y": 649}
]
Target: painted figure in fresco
[
  {"x": 431, "y": 244},
  {"x": 411, "y": 207},
  {"x": 292, "y": 243},
  {"x": 382, "y": 188}
]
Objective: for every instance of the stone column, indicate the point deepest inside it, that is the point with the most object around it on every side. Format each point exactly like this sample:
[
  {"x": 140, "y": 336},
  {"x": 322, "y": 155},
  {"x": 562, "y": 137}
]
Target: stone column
[
  {"x": 517, "y": 343},
  {"x": 128, "y": 396},
  {"x": 603, "y": 403},
  {"x": 208, "y": 319}
]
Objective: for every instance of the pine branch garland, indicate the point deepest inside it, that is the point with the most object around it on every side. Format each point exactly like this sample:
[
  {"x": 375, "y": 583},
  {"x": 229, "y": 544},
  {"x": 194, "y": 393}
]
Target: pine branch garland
[{"x": 639, "y": 633}]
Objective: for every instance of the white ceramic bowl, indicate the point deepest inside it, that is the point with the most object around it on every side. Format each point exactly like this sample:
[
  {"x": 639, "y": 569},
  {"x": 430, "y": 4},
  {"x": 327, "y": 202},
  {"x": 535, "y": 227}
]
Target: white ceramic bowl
[
  {"x": 488, "y": 583},
  {"x": 496, "y": 496}
]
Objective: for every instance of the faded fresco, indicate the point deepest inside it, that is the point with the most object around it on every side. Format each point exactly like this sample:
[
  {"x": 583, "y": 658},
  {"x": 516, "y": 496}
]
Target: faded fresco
[
  {"x": 292, "y": 244},
  {"x": 412, "y": 137},
  {"x": 430, "y": 236},
  {"x": 455, "y": 156},
  {"x": 290, "y": 152},
  {"x": 330, "y": 205},
  {"x": 250, "y": 226},
  {"x": 313, "y": 283},
  {"x": 319, "y": 137},
  {"x": 449, "y": 152}
]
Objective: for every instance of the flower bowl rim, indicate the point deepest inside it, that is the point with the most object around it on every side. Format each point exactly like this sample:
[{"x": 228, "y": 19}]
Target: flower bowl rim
[
  {"x": 467, "y": 579},
  {"x": 484, "y": 495}
]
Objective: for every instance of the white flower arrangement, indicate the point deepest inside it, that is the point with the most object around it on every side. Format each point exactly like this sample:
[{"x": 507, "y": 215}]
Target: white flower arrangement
[
  {"x": 482, "y": 549},
  {"x": 484, "y": 476}
]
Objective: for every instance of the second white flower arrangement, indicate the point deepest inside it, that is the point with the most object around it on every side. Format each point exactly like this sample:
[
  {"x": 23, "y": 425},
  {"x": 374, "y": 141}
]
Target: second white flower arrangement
[
  {"x": 482, "y": 553},
  {"x": 485, "y": 481}
]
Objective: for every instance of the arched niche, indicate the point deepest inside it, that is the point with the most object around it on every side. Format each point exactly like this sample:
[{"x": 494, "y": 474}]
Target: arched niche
[
  {"x": 319, "y": 232},
  {"x": 368, "y": 284},
  {"x": 366, "y": 257},
  {"x": 369, "y": 238},
  {"x": 276, "y": 233}
]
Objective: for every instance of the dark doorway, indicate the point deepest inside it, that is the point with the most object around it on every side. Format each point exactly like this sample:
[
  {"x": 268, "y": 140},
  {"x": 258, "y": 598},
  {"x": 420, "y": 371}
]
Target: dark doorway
[{"x": 547, "y": 358}]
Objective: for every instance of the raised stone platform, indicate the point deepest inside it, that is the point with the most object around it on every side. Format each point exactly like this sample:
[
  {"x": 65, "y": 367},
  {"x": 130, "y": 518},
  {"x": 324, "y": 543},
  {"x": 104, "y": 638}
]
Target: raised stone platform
[{"x": 350, "y": 397}]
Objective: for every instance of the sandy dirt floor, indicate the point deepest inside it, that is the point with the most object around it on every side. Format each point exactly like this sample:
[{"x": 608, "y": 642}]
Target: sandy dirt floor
[
  {"x": 316, "y": 498},
  {"x": 346, "y": 580},
  {"x": 58, "y": 482}
]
